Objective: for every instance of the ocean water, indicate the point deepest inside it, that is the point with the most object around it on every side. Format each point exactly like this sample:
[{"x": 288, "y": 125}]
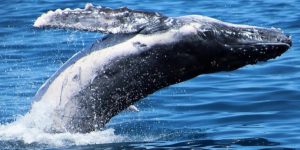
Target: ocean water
[{"x": 255, "y": 107}]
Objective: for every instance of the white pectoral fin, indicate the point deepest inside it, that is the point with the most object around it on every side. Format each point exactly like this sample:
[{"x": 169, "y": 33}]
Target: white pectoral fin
[
  {"x": 99, "y": 19},
  {"x": 133, "y": 108}
]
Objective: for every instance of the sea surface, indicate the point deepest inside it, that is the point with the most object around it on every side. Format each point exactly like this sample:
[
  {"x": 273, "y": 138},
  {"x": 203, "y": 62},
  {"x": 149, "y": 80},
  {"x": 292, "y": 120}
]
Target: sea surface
[{"x": 254, "y": 107}]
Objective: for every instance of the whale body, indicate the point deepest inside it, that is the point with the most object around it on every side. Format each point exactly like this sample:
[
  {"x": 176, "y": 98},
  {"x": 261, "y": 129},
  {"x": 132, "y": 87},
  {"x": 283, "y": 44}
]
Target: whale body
[{"x": 141, "y": 53}]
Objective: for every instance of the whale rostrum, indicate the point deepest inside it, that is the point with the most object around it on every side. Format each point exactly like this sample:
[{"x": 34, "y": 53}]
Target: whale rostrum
[{"x": 141, "y": 53}]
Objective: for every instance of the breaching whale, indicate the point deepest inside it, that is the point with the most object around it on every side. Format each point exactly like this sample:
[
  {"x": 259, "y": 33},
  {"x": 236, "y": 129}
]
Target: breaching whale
[{"x": 141, "y": 53}]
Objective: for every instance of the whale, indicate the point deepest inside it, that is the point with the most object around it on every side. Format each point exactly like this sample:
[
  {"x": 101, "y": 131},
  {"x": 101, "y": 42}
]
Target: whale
[{"x": 141, "y": 53}]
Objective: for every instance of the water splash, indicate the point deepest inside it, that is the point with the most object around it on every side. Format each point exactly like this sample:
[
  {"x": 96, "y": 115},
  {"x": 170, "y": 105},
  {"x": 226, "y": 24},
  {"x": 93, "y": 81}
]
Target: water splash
[{"x": 22, "y": 130}]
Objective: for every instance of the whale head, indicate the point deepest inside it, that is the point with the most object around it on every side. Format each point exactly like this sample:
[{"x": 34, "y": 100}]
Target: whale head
[{"x": 229, "y": 46}]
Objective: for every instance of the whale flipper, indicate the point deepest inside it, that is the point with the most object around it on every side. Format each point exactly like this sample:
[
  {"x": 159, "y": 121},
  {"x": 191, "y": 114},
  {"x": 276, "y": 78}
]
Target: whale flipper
[{"x": 100, "y": 19}]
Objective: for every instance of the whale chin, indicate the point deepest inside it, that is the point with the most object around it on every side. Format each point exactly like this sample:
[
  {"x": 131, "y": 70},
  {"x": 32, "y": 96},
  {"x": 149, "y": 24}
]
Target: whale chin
[
  {"x": 235, "y": 46},
  {"x": 239, "y": 55},
  {"x": 260, "y": 51},
  {"x": 249, "y": 54}
]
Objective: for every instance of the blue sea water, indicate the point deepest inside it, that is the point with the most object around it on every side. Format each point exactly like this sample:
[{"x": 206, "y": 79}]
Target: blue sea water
[{"x": 255, "y": 107}]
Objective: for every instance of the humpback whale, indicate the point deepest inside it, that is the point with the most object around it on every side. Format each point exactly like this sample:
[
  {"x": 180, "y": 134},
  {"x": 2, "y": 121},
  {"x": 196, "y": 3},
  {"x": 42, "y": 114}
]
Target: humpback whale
[{"x": 141, "y": 53}]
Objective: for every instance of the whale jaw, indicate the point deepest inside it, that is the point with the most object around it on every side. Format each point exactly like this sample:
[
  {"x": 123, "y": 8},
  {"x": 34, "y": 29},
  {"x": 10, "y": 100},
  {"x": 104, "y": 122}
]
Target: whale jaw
[
  {"x": 231, "y": 46},
  {"x": 251, "y": 53},
  {"x": 241, "y": 55}
]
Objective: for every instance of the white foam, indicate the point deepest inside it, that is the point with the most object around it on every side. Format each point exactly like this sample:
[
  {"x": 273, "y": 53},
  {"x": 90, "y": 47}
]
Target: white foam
[
  {"x": 88, "y": 6},
  {"x": 23, "y": 131}
]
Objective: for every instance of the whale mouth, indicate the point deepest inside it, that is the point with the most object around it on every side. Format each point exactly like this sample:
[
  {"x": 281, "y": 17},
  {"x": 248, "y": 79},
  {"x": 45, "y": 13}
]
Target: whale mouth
[
  {"x": 286, "y": 41},
  {"x": 288, "y": 45},
  {"x": 240, "y": 54},
  {"x": 267, "y": 47},
  {"x": 264, "y": 51}
]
